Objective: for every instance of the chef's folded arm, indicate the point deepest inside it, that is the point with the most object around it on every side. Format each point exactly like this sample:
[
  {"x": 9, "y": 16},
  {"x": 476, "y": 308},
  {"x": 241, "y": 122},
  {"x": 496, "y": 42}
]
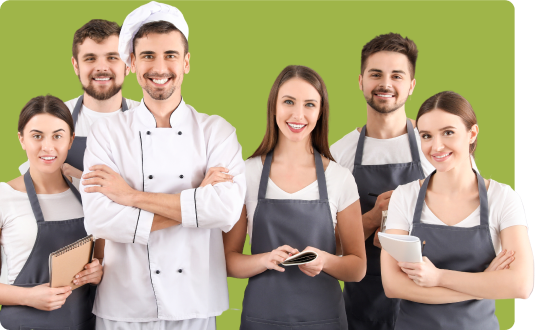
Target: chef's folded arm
[{"x": 128, "y": 217}]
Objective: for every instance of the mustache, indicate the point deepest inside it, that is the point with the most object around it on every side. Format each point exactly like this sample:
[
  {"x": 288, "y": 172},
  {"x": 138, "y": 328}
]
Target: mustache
[
  {"x": 384, "y": 90},
  {"x": 103, "y": 75},
  {"x": 154, "y": 75}
]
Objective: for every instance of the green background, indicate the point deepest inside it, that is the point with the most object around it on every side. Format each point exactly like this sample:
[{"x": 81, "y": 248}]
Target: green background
[{"x": 239, "y": 48}]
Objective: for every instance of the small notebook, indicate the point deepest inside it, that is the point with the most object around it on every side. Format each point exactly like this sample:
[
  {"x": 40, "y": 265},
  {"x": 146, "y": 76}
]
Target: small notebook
[
  {"x": 65, "y": 263},
  {"x": 403, "y": 248},
  {"x": 300, "y": 258}
]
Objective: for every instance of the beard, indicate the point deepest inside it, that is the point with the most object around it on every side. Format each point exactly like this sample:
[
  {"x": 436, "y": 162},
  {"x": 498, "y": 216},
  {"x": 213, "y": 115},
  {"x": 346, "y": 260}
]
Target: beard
[
  {"x": 383, "y": 108},
  {"x": 159, "y": 93},
  {"x": 101, "y": 95}
]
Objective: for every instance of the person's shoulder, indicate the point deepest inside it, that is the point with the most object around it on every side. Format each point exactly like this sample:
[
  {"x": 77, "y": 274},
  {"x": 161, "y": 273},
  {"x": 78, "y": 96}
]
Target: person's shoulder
[
  {"x": 131, "y": 104},
  {"x": 408, "y": 190},
  {"x": 501, "y": 192},
  {"x": 254, "y": 164},
  {"x": 71, "y": 104},
  {"x": 12, "y": 188},
  {"x": 346, "y": 141},
  {"x": 337, "y": 170}
]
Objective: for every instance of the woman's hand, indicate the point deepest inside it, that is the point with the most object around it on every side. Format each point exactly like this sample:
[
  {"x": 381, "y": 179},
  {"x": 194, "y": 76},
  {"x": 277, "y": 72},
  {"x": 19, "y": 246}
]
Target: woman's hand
[
  {"x": 216, "y": 175},
  {"x": 502, "y": 261},
  {"x": 423, "y": 273},
  {"x": 271, "y": 259},
  {"x": 92, "y": 274},
  {"x": 44, "y": 298},
  {"x": 314, "y": 267},
  {"x": 69, "y": 170}
]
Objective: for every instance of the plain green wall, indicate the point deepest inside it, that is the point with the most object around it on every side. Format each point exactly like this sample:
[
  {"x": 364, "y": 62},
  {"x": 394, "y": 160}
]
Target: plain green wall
[{"x": 238, "y": 49}]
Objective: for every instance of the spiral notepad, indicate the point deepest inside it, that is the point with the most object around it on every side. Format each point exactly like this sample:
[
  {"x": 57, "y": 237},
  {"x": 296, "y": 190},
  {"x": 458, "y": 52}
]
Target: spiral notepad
[{"x": 65, "y": 263}]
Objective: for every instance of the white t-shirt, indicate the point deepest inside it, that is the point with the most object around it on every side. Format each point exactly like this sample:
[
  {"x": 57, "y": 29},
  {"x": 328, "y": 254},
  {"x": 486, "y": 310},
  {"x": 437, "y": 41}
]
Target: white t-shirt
[
  {"x": 342, "y": 190},
  {"x": 85, "y": 120},
  {"x": 504, "y": 205},
  {"x": 19, "y": 227},
  {"x": 378, "y": 151}
]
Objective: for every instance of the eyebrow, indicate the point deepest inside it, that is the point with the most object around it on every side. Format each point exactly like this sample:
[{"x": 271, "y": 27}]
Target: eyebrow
[
  {"x": 381, "y": 71},
  {"x": 168, "y": 52},
  {"x": 292, "y": 97},
  {"x": 38, "y": 131},
  {"x": 441, "y": 129}
]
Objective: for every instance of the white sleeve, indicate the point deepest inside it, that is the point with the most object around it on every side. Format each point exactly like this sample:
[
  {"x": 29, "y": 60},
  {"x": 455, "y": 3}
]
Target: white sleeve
[
  {"x": 349, "y": 190},
  {"x": 24, "y": 167},
  {"x": 103, "y": 217},
  {"x": 512, "y": 211},
  {"x": 217, "y": 206},
  {"x": 398, "y": 216}
]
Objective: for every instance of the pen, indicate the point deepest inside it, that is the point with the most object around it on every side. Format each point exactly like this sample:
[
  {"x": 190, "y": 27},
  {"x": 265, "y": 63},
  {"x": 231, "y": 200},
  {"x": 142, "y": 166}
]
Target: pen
[
  {"x": 423, "y": 244},
  {"x": 372, "y": 194}
]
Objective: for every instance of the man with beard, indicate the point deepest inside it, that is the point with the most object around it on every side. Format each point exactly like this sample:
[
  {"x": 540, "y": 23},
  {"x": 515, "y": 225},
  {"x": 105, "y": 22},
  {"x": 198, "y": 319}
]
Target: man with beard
[
  {"x": 101, "y": 71},
  {"x": 150, "y": 190},
  {"x": 382, "y": 155}
]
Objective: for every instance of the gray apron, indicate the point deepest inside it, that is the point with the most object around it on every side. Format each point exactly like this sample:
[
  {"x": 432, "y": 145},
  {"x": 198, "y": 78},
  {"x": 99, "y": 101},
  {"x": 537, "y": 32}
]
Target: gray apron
[
  {"x": 76, "y": 313},
  {"x": 292, "y": 300},
  {"x": 366, "y": 304},
  {"x": 77, "y": 151},
  {"x": 454, "y": 248}
]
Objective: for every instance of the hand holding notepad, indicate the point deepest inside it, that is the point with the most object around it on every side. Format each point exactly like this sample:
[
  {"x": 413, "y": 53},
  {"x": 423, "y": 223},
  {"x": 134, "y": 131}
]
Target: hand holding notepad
[
  {"x": 403, "y": 248},
  {"x": 65, "y": 263}
]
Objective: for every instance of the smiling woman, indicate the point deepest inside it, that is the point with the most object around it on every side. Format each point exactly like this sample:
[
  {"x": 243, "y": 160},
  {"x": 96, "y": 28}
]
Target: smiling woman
[{"x": 41, "y": 212}]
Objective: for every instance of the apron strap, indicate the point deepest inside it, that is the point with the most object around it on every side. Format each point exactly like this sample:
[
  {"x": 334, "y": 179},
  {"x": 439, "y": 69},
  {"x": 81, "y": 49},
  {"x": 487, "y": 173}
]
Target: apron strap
[
  {"x": 321, "y": 178},
  {"x": 77, "y": 109},
  {"x": 33, "y": 197},
  {"x": 124, "y": 106},
  {"x": 265, "y": 176},
  {"x": 483, "y": 199},
  {"x": 360, "y": 147},
  {"x": 412, "y": 142}
]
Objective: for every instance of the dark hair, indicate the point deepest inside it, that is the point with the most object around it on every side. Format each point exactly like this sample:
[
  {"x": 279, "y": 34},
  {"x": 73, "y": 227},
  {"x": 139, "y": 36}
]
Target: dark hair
[
  {"x": 391, "y": 42},
  {"x": 45, "y": 104},
  {"x": 160, "y": 27},
  {"x": 452, "y": 103},
  {"x": 97, "y": 30},
  {"x": 319, "y": 135}
]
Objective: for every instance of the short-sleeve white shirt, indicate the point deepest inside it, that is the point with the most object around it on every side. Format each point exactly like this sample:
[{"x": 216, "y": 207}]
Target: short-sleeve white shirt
[
  {"x": 504, "y": 204},
  {"x": 342, "y": 190}
]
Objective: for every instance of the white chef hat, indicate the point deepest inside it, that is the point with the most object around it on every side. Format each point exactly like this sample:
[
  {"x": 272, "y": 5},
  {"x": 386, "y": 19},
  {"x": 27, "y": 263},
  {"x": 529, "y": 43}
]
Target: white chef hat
[{"x": 150, "y": 12}]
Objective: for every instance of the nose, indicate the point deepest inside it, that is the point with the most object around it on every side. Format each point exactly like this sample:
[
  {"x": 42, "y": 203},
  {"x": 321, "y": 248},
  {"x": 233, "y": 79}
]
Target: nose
[
  {"x": 47, "y": 145},
  {"x": 298, "y": 112},
  {"x": 437, "y": 144},
  {"x": 102, "y": 65},
  {"x": 385, "y": 82},
  {"x": 160, "y": 66}
]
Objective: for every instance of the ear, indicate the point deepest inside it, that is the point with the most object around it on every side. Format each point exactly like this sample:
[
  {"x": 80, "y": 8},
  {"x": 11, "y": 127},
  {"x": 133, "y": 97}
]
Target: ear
[
  {"x": 412, "y": 88},
  {"x": 132, "y": 63},
  {"x": 126, "y": 70},
  {"x": 187, "y": 63},
  {"x": 360, "y": 86},
  {"x": 71, "y": 141},
  {"x": 21, "y": 140},
  {"x": 75, "y": 65},
  {"x": 474, "y": 131}
]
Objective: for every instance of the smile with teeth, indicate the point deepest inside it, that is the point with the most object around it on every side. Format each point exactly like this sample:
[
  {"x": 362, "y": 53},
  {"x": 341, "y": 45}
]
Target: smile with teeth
[
  {"x": 48, "y": 158},
  {"x": 160, "y": 81},
  {"x": 295, "y": 126},
  {"x": 443, "y": 156},
  {"x": 384, "y": 95},
  {"x": 103, "y": 79}
]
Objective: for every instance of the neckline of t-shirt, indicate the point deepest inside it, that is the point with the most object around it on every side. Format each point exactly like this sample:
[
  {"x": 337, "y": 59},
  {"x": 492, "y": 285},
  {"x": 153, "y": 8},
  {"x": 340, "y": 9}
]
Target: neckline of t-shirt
[
  {"x": 93, "y": 113},
  {"x": 381, "y": 140},
  {"x": 490, "y": 186},
  {"x": 294, "y": 193},
  {"x": 43, "y": 196}
]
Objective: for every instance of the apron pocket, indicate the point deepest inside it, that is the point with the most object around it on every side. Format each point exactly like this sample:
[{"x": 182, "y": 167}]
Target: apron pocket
[{"x": 262, "y": 324}]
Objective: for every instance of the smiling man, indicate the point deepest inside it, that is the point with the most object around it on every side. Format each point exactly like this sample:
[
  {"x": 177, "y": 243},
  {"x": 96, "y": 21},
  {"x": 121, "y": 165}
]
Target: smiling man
[
  {"x": 146, "y": 176},
  {"x": 382, "y": 155},
  {"x": 101, "y": 72}
]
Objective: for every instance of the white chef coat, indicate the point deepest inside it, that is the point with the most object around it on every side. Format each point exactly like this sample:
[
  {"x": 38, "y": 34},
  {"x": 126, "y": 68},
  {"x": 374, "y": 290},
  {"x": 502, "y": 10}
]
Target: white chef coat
[{"x": 141, "y": 281}]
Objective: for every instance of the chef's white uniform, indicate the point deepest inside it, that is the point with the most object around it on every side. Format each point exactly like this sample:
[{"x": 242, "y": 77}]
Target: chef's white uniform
[{"x": 177, "y": 273}]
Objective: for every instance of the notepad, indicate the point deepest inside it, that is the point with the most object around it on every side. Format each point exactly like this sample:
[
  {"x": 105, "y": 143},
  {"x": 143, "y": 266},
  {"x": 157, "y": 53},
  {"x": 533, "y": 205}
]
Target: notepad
[
  {"x": 65, "y": 263},
  {"x": 300, "y": 258},
  {"x": 403, "y": 248}
]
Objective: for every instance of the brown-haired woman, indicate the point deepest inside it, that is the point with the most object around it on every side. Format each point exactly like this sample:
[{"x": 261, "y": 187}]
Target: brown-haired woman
[
  {"x": 296, "y": 194},
  {"x": 465, "y": 221},
  {"x": 41, "y": 212}
]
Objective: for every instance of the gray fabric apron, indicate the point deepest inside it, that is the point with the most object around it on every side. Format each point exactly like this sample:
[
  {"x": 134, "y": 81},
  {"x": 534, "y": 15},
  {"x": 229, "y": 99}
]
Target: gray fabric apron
[
  {"x": 455, "y": 248},
  {"x": 367, "y": 306},
  {"x": 76, "y": 313},
  {"x": 77, "y": 151},
  {"x": 292, "y": 299}
]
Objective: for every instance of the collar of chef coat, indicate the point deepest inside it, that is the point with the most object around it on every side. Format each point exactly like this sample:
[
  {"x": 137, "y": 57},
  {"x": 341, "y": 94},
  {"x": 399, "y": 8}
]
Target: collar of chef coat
[{"x": 145, "y": 118}]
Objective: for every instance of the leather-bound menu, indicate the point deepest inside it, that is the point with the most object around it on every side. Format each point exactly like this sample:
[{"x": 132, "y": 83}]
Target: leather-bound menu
[{"x": 65, "y": 263}]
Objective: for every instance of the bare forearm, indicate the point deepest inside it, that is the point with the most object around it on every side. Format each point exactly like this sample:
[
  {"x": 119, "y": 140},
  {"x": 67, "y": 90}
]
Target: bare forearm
[
  {"x": 12, "y": 295},
  {"x": 160, "y": 222},
  {"x": 166, "y": 205},
  {"x": 349, "y": 268},
  {"x": 370, "y": 223},
  {"x": 240, "y": 265},
  {"x": 503, "y": 284}
]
